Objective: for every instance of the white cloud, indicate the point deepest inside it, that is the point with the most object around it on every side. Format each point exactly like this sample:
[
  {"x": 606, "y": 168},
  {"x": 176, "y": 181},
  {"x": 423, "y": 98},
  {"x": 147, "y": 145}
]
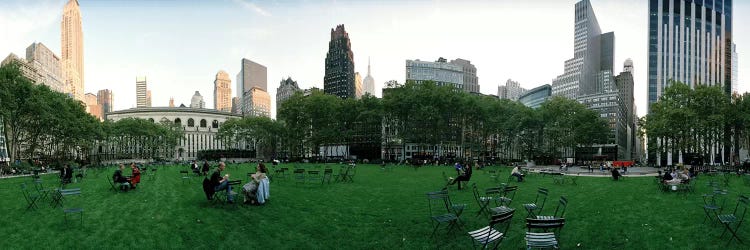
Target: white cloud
[{"x": 252, "y": 6}]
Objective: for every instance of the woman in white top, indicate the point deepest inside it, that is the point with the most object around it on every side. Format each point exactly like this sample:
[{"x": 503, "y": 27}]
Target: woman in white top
[{"x": 250, "y": 189}]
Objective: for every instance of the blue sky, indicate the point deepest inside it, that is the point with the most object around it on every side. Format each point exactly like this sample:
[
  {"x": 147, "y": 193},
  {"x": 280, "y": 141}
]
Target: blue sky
[{"x": 181, "y": 45}]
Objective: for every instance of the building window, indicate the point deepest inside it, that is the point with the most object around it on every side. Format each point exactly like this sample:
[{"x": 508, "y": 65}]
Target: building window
[
  {"x": 191, "y": 122},
  {"x": 151, "y": 120},
  {"x": 215, "y": 124},
  {"x": 203, "y": 123},
  {"x": 178, "y": 122}
]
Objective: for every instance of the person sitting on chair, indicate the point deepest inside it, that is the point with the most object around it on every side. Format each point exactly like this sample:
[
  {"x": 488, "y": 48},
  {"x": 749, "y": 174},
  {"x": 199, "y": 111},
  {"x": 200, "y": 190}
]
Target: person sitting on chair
[
  {"x": 194, "y": 168},
  {"x": 205, "y": 168},
  {"x": 221, "y": 183},
  {"x": 66, "y": 174},
  {"x": 666, "y": 177},
  {"x": 517, "y": 173},
  {"x": 250, "y": 189},
  {"x": 117, "y": 177},
  {"x": 616, "y": 174},
  {"x": 465, "y": 176},
  {"x": 136, "y": 175},
  {"x": 458, "y": 168}
]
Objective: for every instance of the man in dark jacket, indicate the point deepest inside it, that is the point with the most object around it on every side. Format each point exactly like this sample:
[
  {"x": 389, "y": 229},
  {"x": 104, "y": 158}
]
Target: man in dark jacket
[
  {"x": 117, "y": 177},
  {"x": 222, "y": 183}
]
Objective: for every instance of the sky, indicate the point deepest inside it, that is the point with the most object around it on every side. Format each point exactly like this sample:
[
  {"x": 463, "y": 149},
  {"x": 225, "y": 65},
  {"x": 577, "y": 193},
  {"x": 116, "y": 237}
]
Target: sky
[{"x": 181, "y": 45}]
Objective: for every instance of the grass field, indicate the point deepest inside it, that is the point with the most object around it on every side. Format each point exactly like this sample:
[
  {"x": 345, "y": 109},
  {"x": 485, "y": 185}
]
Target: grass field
[{"x": 378, "y": 210}]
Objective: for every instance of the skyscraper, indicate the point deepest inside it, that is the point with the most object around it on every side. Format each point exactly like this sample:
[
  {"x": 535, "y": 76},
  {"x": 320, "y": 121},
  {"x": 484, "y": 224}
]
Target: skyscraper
[
  {"x": 339, "y": 65},
  {"x": 734, "y": 68},
  {"x": 171, "y": 102},
  {"x": 581, "y": 71},
  {"x": 625, "y": 85},
  {"x": 471, "y": 81},
  {"x": 47, "y": 64},
  {"x": 689, "y": 41},
  {"x": 222, "y": 92},
  {"x": 72, "y": 49},
  {"x": 251, "y": 74},
  {"x": 197, "y": 101},
  {"x": 369, "y": 83},
  {"x": 236, "y": 105},
  {"x": 106, "y": 99},
  {"x": 286, "y": 89},
  {"x": 140, "y": 92},
  {"x": 358, "y": 90}
]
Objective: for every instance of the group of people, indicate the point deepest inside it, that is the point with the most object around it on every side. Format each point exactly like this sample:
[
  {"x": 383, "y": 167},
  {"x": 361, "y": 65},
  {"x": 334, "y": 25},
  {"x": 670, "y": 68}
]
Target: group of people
[
  {"x": 200, "y": 170},
  {"x": 676, "y": 177},
  {"x": 127, "y": 182},
  {"x": 254, "y": 192}
]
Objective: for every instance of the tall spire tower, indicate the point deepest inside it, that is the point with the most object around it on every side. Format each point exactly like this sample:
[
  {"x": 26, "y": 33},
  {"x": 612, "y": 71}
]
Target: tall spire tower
[
  {"x": 369, "y": 83},
  {"x": 72, "y": 49}
]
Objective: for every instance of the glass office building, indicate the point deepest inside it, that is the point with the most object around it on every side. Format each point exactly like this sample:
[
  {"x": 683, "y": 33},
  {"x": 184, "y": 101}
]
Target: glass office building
[
  {"x": 536, "y": 96},
  {"x": 689, "y": 41}
]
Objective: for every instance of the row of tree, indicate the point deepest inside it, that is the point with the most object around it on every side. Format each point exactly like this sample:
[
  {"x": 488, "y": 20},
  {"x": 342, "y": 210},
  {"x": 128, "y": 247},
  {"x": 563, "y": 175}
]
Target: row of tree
[
  {"x": 40, "y": 123},
  {"x": 703, "y": 124},
  {"x": 427, "y": 115},
  {"x": 43, "y": 124}
]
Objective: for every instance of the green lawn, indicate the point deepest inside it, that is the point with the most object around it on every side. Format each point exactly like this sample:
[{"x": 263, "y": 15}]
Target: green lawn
[{"x": 378, "y": 210}]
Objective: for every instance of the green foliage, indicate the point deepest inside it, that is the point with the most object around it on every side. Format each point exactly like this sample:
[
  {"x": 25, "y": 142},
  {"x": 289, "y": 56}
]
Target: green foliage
[
  {"x": 141, "y": 138},
  {"x": 427, "y": 114},
  {"x": 260, "y": 132},
  {"x": 40, "y": 123},
  {"x": 694, "y": 120}
]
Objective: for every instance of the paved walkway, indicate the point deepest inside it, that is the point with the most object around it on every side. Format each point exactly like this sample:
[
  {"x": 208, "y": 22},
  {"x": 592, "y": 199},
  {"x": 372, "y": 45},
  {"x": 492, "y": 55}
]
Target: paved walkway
[{"x": 632, "y": 171}]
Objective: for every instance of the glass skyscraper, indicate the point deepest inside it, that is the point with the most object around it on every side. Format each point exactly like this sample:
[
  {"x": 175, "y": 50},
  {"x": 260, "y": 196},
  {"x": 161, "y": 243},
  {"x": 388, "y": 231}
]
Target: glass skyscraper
[
  {"x": 689, "y": 41},
  {"x": 581, "y": 71}
]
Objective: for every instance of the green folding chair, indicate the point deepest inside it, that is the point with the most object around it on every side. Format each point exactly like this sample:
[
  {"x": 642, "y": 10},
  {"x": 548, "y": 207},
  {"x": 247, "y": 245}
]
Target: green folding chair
[
  {"x": 538, "y": 205},
  {"x": 31, "y": 198},
  {"x": 443, "y": 212},
  {"x": 735, "y": 218},
  {"x": 494, "y": 232}
]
